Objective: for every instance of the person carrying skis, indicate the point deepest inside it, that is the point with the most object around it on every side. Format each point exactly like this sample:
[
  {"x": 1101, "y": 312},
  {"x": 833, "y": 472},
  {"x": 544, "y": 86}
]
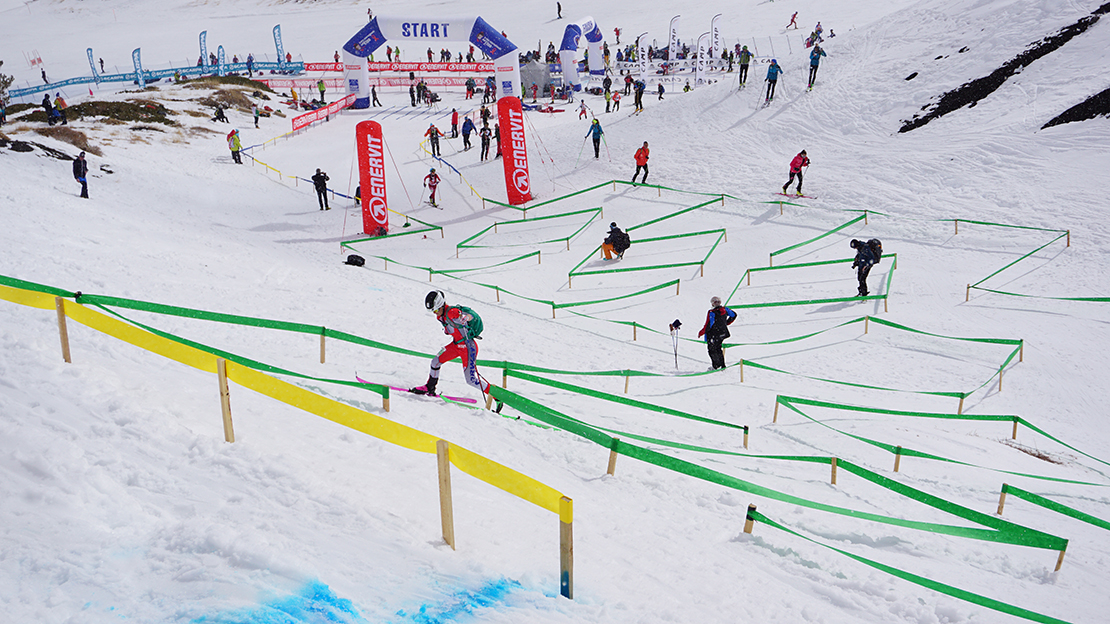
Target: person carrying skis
[
  {"x": 454, "y": 123},
  {"x": 582, "y": 109},
  {"x": 320, "y": 181},
  {"x": 641, "y": 163},
  {"x": 865, "y": 258},
  {"x": 234, "y": 145},
  {"x": 468, "y": 127},
  {"x": 801, "y": 160},
  {"x": 715, "y": 331},
  {"x": 814, "y": 61},
  {"x": 465, "y": 327},
  {"x": 433, "y": 135},
  {"x": 432, "y": 181},
  {"x": 772, "y": 77},
  {"x": 485, "y": 134},
  {"x": 596, "y": 131},
  {"x": 745, "y": 58},
  {"x": 616, "y": 242}
]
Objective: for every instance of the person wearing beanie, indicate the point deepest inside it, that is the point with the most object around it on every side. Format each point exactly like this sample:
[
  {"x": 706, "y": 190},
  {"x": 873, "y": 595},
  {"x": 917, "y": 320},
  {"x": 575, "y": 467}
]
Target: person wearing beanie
[
  {"x": 616, "y": 242},
  {"x": 320, "y": 182},
  {"x": 81, "y": 172},
  {"x": 799, "y": 161},
  {"x": 234, "y": 145},
  {"x": 715, "y": 331}
]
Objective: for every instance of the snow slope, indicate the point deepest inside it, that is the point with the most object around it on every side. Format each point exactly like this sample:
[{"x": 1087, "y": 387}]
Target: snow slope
[{"x": 121, "y": 499}]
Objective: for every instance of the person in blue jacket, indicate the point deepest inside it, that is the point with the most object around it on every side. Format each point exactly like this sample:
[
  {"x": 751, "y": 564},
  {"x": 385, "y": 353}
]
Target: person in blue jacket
[
  {"x": 814, "y": 61},
  {"x": 772, "y": 78},
  {"x": 468, "y": 127},
  {"x": 596, "y": 131},
  {"x": 715, "y": 331}
]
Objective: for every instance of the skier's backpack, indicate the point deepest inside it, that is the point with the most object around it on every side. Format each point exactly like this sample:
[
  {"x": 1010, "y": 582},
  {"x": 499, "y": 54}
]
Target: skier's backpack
[
  {"x": 621, "y": 242},
  {"x": 876, "y": 248},
  {"x": 474, "y": 326},
  {"x": 355, "y": 260}
]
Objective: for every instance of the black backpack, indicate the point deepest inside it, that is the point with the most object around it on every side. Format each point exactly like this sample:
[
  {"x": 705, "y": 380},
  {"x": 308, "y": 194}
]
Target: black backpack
[
  {"x": 621, "y": 242},
  {"x": 355, "y": 260},
  {"x": 876, "y": 248}
]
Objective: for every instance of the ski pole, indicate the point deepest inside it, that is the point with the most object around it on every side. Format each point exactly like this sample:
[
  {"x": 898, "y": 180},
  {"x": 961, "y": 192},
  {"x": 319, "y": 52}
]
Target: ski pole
[
  {"x": 607, "y": 152},
  {"x": 674, "y": 339},
  {"x": 580, "y": 151}
]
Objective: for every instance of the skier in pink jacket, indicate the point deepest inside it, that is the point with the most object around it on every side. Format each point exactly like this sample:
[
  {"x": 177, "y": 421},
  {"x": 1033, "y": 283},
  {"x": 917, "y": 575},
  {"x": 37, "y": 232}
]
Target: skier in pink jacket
[{"x": 801, "y": 160}]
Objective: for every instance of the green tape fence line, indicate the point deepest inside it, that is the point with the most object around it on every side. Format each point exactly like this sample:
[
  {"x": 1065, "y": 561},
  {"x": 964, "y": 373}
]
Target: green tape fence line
[
  {"x": 594, "y": 212},
  {"x": 428, "y": 227},
  {"x": 483, "y": 268},
  {"x": 1000, "y": 531},
  {"x": 339, "y": 335},
  {"x": 674, "y": 214},
  {"x": 819, "y": 237},
  {"x": 1019, "y": 259},
  {"x": 1012, "y": 294},
  {"x": 791, "y": 403},
  {"x": 955, "y": 395},
  {"x": 948, "y": 590},
  {"x": 1006, "y": 225},
  {"x": 1041, "y": 501},
  {"x": 719, "y": 232},
  {"x": 772, "y": 304}
]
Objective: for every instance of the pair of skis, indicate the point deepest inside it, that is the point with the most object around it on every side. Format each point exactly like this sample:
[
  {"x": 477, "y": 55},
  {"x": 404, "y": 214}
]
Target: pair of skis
[{"x": 445, "y": 397}]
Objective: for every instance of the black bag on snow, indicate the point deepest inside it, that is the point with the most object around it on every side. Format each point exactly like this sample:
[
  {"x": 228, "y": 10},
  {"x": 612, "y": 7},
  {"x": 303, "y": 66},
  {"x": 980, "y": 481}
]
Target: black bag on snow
[{"x": 355, "y": 260}]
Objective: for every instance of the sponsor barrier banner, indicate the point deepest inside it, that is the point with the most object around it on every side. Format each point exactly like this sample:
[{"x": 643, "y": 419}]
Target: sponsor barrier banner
[
  {"x": 303, "y": 83},
  {"x": 327, "y": 67},
  {"x": 303, "y": 120},
  {"x": 371, "y": 175},
  {"x": 428, "y": 67},
  {"x": 515, "y": 153}
]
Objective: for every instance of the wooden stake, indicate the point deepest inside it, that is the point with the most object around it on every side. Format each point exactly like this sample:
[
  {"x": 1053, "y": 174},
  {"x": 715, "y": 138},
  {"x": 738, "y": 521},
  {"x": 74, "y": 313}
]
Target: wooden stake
[
  {"x": 957, "y": 225},
  {"x": 1002, "y": 499},
  {"x": 385, "y": 403},
  {"x": 633, "y": 331},
  {"x": 489, "y": 400},
  {"x": 1021, "y": 351},
  {"x": 741, "y": 370},
  {"x": 770, "y": 260},
  {"x": 865, "y": 217},
  {"x": 749, "y": 520},
  {"x": 866, "y": 319},
  {"x": 886, "y": 298},
  {"x": 745, "y": 436},
  {"x": 1000, "y": 381},
  {"x": 612, "y": 469},
  {"x": 1069, "y": 245},
  {"x": 748, "y": 274},
  {"x": 225, "y": 399},
  {"x": 1060, "y": 559},
  {"x": 386, "y": 264},
  {"x": 553, "y": 310},
  {"x": 834, "y": 471},
  {"x": 568, "y": 244},
  {"x": 446, "y": 510},
  {"x": 497, "y": 289},
  {"x": 539, "y": 257},
  {"x": 897, "y": 458},
  {"x": 60, "y": 304},
  {"x": 566, "y": 549},
  {"x": 504, "y": 377},
  {"x": 776, "y": 418},
  {"x": 702, "y": 269},
  {"x": 960, "y": 410},
  {"x": 780, "y": 208},
  {"x": 626, "y": 384},
  {"x": 967, "y": 293},
  {"x": 1014, "y": 436},
  {"x": 677, "y": 285},
  {"x": 322, "y": 340}
]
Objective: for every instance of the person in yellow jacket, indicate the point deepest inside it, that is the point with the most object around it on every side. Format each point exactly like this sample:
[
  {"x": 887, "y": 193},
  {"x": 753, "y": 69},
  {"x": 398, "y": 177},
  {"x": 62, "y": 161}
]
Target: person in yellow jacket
[
  {"x": 60, "y": 106},
  {"x": 234, "y": 145}
]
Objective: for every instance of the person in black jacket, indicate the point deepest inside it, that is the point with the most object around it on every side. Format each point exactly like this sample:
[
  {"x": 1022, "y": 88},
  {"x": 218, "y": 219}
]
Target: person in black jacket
[
  {"x": 863, "y": 262},
  {"x": 80, "y": 173},
  {"x": 617, "y": 241},
  {"x": 716, "y": 331},
  {"x": 320, "y": 181}
]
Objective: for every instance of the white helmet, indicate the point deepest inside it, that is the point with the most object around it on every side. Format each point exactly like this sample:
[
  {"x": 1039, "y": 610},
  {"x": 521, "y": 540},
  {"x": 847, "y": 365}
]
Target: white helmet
[{"x": 434, "y": 300}]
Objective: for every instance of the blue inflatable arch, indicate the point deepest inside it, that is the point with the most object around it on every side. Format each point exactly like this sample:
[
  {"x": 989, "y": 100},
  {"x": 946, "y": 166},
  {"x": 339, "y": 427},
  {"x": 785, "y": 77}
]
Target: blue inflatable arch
[
  {"x": 424, "y": 31},
  {"x": 572, "y": 37}
]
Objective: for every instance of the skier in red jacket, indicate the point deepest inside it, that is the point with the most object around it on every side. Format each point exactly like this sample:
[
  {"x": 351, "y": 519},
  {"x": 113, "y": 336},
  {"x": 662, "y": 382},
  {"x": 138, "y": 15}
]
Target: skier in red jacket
[
  {"x": 459, "y": 323},
  {"x": 801, "y": 160},
  {"x": 641, "y": 163},
  {"x": 432, "y": 181}
]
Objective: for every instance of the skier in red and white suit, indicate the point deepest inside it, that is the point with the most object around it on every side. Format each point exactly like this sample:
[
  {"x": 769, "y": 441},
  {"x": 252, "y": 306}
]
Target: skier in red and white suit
[{"x": 456, "y": 323}]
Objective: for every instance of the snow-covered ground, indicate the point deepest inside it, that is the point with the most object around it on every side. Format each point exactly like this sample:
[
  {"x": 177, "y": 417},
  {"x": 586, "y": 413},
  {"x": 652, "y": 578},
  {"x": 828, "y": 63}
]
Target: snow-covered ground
[{"x": 121, "y": 500}]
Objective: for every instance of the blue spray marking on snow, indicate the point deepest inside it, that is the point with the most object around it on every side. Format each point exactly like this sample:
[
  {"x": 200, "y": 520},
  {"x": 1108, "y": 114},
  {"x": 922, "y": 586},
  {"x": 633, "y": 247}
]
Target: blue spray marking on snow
[
  {"x": 461, "y": 605},
  {"x": 315, "y": 603}
]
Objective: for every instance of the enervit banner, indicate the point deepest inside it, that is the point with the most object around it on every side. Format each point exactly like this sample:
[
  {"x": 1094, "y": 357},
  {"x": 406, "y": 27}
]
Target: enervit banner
[
  {"x": 371, "y": 176},
  {"x": 322, "y": 113},
  {"x": 518, "y": 186},
  {"x": 432, "y": 33}
]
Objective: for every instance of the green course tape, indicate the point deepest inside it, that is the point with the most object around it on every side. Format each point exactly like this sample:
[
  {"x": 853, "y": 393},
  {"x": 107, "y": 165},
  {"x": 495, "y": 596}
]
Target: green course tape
[
  {"x": 819, "y": 237},
  {"x": 594, "y": 212},
  {"x": 948, "y": 590},
  {"x": 1054, "y": 506}
]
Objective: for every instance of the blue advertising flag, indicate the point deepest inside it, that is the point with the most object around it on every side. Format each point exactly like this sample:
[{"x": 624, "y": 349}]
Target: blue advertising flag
[
  {"x": 277, "y": 44},
  {"x": 204, "y": 48},
  {"x": 221, "y": 60},
  {"x": 92, "y": 64},
  {"x": 139, "y": 77}
]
